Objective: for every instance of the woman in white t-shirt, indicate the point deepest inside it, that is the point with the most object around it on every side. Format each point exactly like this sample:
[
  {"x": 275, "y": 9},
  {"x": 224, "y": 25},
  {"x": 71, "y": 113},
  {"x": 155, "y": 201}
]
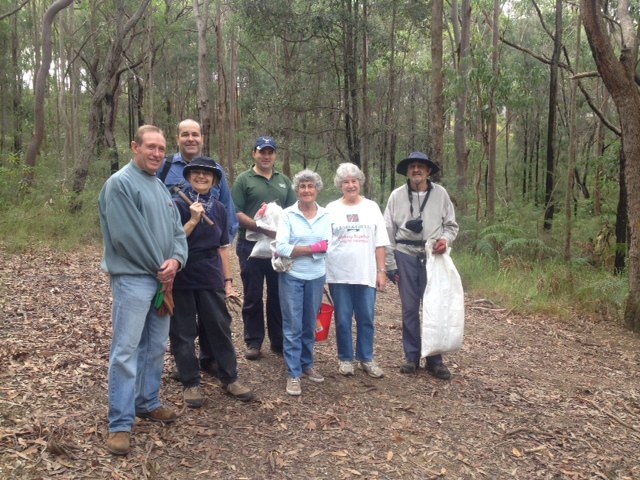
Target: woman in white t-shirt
[{"x": 355, "y": 269}]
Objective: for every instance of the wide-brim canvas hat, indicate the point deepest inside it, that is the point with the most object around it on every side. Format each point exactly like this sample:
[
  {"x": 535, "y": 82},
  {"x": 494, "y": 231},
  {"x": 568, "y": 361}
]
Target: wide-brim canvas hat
[
  {"x": 417, "y": 157},
  {"x": 202, "y": 163}
]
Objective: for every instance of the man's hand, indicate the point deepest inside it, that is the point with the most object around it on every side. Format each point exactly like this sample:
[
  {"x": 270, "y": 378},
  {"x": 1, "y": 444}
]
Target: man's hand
[
  {"x": 440, "y": 247},
  {"x": 320, "y": 247},
  {"x": 393, "y": 276},
  {"x": 167, "y": 273}
]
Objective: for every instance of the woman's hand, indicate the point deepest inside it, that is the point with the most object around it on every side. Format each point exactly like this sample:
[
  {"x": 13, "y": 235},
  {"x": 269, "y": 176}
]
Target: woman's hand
[{"x": 197, "y": 210}]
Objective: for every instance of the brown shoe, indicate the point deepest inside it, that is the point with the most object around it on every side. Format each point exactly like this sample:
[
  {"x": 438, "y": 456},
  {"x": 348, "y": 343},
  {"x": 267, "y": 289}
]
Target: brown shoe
[
  {"x": 252, "y": 353},
  {"x": 193, "y": 396},
  {"x": 239, "y": 391},
  {"x": 119, "y": 443},
  {"x": 160, "y": 414}
]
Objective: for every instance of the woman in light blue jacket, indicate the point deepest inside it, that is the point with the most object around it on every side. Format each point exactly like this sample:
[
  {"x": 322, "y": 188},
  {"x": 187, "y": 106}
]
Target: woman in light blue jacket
[{"x": 303, "y": 235}]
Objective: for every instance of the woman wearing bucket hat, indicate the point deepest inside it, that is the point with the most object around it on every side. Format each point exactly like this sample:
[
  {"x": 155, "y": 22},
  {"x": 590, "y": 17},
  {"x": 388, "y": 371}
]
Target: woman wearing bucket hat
[
  {"x": 355, "y": 269},
  {"x": 201, "y": 288},
  {"x": 418, "y": 211},
  {"x": 303, "y": 234}
]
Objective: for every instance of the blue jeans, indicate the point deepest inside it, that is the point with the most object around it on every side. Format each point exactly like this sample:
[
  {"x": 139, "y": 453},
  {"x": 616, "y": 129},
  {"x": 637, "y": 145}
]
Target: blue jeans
[
  {"x": 139, "y": 339},
  {"x": 413, "y": 281},
  {"x": 350, "y": 300},
  {"x": 300, "y": 302},
  {"x": 254, "y": 273}
]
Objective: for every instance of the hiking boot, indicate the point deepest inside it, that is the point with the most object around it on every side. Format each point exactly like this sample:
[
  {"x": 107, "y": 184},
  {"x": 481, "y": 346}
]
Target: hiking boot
[
  {"x": 313, "y": 375},
  {"x": 119, "y": 443},
  {"x": 440, "y": 371},
  {"x": 345, "y": 368},
  {"x": 239, "y": 391},
  {"x": 252, "y": 353},
  {"x": 175, "y": 374},
  {"x": 408, "y": 368},
  {"x": 277, "y": 351},
  {"x": 160, "y": 414},
  {"x": 372, "y": 369},
  {"x": 293, "y": 386},
  {"x": 193, "y": 396}
]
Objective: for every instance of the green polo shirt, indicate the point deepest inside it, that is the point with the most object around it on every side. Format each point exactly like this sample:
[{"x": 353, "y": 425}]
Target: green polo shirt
[{"x": 251, "y": 189}]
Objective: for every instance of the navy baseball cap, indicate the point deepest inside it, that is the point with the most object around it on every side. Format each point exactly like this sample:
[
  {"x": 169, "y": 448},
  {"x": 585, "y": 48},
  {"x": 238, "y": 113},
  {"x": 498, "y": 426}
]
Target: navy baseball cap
[{"x": 265, "y": 142}]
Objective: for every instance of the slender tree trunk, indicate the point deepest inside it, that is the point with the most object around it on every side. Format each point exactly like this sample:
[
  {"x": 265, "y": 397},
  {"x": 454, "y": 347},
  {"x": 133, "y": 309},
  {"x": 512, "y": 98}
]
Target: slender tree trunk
[
  {"x": 493, "y": 117},
  {"x": 364, "y": 124},
  {"x": 389, "y": 123},
  {"x": 437, "y": 100},
  {"x": 40, "y": 86},
  {"x": 16, "y": 82},
  {"x": 201, "y": 12},
  {"x": 234, "y": 112},
  {"x": 462, "y": 30},
  {"x": 573, "y": 149},
  {"x": 221, "y": 83},
  {"x": 551, "y": 122}
]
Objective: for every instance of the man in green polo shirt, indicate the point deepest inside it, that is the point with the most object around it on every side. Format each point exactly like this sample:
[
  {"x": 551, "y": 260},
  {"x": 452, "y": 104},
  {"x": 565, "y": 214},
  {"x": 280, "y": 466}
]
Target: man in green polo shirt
[{"x": 260, "y": 184}]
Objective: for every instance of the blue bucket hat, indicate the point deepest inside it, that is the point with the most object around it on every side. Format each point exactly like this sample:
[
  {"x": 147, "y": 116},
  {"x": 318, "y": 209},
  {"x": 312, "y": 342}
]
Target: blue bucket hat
[
  {"x": 417, "y": 157},
  {"x": 202, "y": 163}
]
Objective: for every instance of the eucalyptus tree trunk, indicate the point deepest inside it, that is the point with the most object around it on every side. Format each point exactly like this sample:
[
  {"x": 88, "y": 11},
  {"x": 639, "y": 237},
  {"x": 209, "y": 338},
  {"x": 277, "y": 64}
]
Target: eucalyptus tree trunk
[
  {"x": 364, "y": 124},
  {"x": 573, "y": 150},
  {"x": 221, "y": 82},
  {"x": 102, "y": 97},
  {"x": 437, "y": 101},
  {"x": 552, "y": 122},
  {"x": 40, "y": 86},
  {"x": 389, "y": 125},
  {"x": 461, "y": 22},
  {"x": 493, "y": 129},
  {"x": 16, "y": 83},
  {"x": 618, "y": 75},
  {"x": 350, "y": 78},
  {"x": 201, "y": 12},
  {"x": 234, "y": 111}
]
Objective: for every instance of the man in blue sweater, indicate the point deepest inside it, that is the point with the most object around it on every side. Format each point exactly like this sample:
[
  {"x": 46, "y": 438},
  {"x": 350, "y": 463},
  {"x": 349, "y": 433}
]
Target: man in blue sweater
[
  {"x": 144, "y": 247},
  {"x": 190, "y": 140}
]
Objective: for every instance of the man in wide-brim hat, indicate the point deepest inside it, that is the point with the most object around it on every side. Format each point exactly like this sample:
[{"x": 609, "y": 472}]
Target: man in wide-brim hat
[
  {"x": 416, "y": 212},
  {"x": 417, "y": 157}
]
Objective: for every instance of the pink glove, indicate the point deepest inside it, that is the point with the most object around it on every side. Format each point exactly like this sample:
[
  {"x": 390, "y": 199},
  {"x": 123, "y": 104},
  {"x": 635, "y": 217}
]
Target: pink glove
[
  {"x": 320, "y": 247},
  {"x": 261, "y": 211},
  {"x": 440, "y": 247}
]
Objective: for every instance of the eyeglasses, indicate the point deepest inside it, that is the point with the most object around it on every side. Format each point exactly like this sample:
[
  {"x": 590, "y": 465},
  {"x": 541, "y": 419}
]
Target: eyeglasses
[{"x": 203, "y": 173}]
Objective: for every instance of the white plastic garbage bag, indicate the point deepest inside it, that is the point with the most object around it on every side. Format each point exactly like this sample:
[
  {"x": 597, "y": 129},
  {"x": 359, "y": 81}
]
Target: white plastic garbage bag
[
  {"x": 268, "y": 218},
  {"x": 442, "y": 306}
]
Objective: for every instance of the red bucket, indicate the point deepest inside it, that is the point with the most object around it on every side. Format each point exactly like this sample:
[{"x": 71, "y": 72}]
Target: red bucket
[{"x": 323, "y": 322}]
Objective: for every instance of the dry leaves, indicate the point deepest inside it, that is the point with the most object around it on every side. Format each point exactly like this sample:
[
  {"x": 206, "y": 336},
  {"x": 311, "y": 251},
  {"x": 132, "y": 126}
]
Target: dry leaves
[{"x": 530, "y": 398}]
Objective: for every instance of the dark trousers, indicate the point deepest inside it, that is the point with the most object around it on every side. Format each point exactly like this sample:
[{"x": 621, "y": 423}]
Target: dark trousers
[
  {"x": 254, "y": 272},
  {"x": 202, "y": 313},
  {"x": 413, "y": 281}
]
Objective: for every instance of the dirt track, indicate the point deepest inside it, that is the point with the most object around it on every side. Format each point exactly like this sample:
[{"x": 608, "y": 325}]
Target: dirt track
[{"x": 530, "y": 398}]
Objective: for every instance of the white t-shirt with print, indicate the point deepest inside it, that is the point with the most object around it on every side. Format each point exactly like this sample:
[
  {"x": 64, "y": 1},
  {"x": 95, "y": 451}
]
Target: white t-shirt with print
[{"x": 356, "y": 232}]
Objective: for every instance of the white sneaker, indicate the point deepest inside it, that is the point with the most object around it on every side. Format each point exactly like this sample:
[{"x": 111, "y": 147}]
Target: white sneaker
[
  {"x": 293, "y": 386},
  {"x": 372, "y": 369},
  {"x": 345, "y": 368}
]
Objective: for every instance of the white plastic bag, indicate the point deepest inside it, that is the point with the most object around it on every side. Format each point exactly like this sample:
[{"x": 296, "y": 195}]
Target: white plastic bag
[
  {"x": 279, "y": 264},
  {"x": 268, "y": 218},
  {"x": 442, "y": 306}
]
